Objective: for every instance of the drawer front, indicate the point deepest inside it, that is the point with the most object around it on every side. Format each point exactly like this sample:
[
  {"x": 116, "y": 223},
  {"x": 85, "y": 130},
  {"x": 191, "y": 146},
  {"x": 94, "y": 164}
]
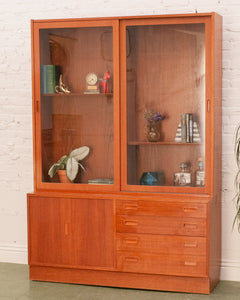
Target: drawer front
[
  {"x": 156, "y": 208},
  {"x": 164, "y": 244},
  {"x": 180, "y": 265},
  {"x": 161, "y": 225}
]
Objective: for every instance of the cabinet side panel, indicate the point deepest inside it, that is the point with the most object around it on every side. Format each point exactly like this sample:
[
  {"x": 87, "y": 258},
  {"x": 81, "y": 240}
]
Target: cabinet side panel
[
  {"x": 215, "y": 205},
  {"x": 33, "y": 55}
]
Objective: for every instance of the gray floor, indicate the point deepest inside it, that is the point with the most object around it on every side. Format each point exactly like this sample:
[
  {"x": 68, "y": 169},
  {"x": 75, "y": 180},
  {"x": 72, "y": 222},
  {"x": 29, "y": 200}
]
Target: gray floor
[{"x": 14, "y": 284}]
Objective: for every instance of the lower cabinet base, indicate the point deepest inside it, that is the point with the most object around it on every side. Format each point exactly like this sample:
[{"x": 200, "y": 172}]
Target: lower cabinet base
[{"x": 121, "y": 279}]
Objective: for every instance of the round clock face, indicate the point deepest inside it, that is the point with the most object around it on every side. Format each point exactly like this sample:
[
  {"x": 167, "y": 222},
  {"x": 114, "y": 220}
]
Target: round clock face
[{"x": 91, "y": 78}]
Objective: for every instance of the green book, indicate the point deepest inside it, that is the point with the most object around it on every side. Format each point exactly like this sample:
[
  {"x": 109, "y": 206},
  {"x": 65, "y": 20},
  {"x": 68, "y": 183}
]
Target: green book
[{"x": 49, "y": 78}]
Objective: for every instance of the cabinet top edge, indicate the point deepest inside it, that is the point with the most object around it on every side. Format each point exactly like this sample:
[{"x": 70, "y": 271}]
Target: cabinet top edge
[
  {"x": 201, "y": 198},
  {"x": 187, "y": 15}
]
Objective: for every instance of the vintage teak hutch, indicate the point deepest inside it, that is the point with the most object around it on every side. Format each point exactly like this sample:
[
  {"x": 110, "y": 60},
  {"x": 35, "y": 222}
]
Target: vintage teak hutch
[{"x": 143, "y": 94}]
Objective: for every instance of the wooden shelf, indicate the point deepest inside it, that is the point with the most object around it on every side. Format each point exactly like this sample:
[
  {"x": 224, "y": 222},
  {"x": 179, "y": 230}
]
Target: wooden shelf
[
  {"x": 76, "y": 94},
  {"x": 136, "y": 143}
]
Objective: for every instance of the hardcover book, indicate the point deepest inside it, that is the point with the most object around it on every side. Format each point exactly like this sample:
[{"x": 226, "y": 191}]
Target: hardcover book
[{"x": 49, "y": 78}]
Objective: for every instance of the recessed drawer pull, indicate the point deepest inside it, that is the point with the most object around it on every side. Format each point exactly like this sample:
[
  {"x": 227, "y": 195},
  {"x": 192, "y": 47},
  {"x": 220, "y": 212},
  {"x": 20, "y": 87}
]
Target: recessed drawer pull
[
  {"x": 191, "y": 245},
  {"x": 189, "y": 209},
  {"x": 190, "y": 225},
  {"x": 66, "y": 229},
  {"x": 131, "y": 206},
  {"x": 132, "y": 241},
  {"x": 190, "y": 263},
  {"x": 131, "y": 259},
  {"x": 130, "y": 223}
]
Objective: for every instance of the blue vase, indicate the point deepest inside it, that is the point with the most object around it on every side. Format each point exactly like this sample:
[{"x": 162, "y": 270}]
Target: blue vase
[{"x": 152, "y": 178}]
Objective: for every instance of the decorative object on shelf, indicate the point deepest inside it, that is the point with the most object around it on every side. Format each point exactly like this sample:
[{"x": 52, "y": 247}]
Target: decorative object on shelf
[
  {"x": 184, "y": 177},
  {"x": 153, "y": 134},
  {"x": 104, "y": 83},
  {"x": 200, "y": 173},
  {"x": 49, "y": 75},
  {"x": 101, "y": 181},
  {"x": 196, "y": 133},
  {"x": 178, "y": 137},
  {"x": 92, "y": 84},
  {"x": 63, "y": 176},
  {"x": 152, "y": 178},
  {"x": 61, "y": 88},
  {"x": 70, "y": 163},
  {"x": 187, "y": 128},
  {"x": 187, "y": 131}
]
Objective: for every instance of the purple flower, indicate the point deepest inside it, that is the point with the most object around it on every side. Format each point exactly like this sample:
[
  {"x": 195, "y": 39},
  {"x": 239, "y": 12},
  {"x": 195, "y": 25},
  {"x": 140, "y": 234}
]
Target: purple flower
[
  {"x": 152, "y": 117},
  {"x": 157, "y": 117}
]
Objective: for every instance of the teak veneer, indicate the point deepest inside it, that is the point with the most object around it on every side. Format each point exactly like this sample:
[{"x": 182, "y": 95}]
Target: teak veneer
[{"x": 125, "y": 234}]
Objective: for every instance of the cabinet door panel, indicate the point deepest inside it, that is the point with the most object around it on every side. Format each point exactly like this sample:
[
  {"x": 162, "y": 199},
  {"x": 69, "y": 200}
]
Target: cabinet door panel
[
  {"x": 92, "y": 230},
  {"x": 161, "y": 225},
  {"x": 163, "y": 95},
  {"x": 76, "y": 102},
  {"x": 49, "y": 234}
]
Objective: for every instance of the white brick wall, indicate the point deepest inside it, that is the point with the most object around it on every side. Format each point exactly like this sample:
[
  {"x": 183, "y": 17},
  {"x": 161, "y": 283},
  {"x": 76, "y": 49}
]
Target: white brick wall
[{"x": 16, "y": 176}]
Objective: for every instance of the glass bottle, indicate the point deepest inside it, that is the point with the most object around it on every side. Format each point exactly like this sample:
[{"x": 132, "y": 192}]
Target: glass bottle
[
  {"x": 200, "y": 173},
  {"x": 184, "y": 177}
]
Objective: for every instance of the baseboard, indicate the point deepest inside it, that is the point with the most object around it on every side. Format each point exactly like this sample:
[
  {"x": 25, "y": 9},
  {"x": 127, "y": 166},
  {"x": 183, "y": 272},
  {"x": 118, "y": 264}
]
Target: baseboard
[
  {"x": 230, "y": 270},
  {"x": 14, "y": 254}
]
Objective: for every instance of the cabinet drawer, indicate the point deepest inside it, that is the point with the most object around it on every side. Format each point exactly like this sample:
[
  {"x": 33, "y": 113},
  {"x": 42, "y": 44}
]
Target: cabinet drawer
[
  {"x": 167, "y": 209},
  {"x": 181, "y": 265},
  {"x": 164, "y": 244},
  {"x": 161, "y": 225}
]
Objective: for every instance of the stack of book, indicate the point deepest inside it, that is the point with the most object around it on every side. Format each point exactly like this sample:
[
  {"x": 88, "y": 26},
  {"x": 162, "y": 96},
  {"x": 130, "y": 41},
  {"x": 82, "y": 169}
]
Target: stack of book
[
  {"x": 101, "y": 181},
  {"x": 187, "y": 131},
  {"x": 49, "y": 78},
  {"x": 187, "y": 128}
]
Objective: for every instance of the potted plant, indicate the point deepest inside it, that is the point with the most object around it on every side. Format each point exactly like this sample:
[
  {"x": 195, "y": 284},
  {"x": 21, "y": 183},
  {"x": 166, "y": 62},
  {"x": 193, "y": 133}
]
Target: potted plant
[
  {"x": 70, "y": 164},
  {"x": 237, "y": 177}
]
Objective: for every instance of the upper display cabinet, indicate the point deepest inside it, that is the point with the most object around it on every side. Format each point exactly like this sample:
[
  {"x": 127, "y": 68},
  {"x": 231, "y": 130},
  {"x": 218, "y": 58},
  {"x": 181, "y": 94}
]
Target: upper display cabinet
[
  {"x": 167, "y": 71},
  {"x": 76, "y": 104},
  {"x": 126, "y": 104}
]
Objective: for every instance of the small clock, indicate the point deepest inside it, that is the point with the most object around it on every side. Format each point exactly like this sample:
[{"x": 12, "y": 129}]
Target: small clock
[
  {"x": 91, "y": 78},
  {"x": 92, "y": 83}
]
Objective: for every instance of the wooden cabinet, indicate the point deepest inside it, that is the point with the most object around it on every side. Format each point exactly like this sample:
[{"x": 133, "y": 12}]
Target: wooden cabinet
[
  {"x": 144, "y": 95},
  {"x": 70, "y": 232}
]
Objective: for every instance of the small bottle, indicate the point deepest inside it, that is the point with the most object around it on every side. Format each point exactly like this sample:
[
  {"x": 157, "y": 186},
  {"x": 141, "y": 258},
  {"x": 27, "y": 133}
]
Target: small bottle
[
  {"x": 184, "y": 177},
  {"x": 200, "y": 173}
]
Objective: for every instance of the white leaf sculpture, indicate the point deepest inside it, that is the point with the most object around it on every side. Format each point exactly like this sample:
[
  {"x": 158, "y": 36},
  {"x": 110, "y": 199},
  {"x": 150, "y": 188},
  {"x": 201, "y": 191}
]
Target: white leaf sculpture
[
  {"x": 72, "y": 168},
  {"x": 53, "y": 170},
  {"x": 80, "y": 153}
]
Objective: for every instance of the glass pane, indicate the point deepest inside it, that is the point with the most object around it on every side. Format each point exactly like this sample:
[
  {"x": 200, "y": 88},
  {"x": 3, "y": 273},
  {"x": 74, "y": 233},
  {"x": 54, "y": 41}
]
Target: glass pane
[
  {"x": 77, "y": 103},
  {"x": 166, "y": 105}
]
